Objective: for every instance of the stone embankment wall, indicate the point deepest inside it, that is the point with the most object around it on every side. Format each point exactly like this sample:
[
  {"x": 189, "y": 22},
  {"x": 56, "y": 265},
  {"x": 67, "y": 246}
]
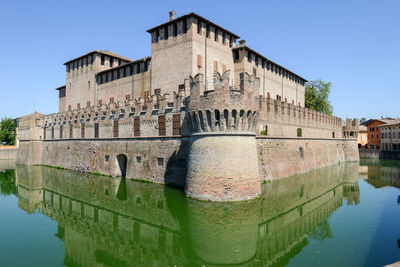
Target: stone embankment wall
[
  {"x": 281, "y": 157},
  {"x": 8, "y": 152},
  {"x": 369, "y": 153}
]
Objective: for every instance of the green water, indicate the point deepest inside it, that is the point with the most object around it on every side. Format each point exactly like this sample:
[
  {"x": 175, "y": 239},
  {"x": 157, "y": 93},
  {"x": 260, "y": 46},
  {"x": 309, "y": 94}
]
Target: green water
[{"x": 345, "y": 215}]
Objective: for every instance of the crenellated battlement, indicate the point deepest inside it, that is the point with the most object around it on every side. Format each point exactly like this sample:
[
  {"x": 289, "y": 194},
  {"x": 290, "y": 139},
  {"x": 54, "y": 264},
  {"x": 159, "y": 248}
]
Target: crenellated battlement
[
  {"x": 275, "y": 115},
  {"x": 351, "y": 128},
  {"x": 223, "y": 109},
  {"x": 147, "y": 117}
]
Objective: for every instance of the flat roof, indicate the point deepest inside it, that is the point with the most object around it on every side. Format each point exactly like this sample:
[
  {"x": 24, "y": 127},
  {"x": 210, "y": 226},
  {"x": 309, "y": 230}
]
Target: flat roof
[
  {"x": 61, "y": 87},
  {"x": 198, "y": 17},
  {"x": 104, "y": 52},
  {"x": 267, "y": 59}
]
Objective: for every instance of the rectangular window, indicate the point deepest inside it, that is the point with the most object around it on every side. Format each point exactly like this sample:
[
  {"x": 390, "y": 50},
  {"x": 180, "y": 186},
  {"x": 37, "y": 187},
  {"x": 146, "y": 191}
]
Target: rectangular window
[
  {"x": 52, "y": 132},
  {"x": 215, "y": 66},
  {"x": 128, "y": 96},
  {"x": 111, "y": 62},
  {"x": 78, "y": 106},
  {"x": 100, "y": 102},
  {"x": 216, "y": 34},
  {"x": 111, "y": 99},
  {"x": 116, "y": 128},
  {"x": 175, "y": 29},
  {"x": 88, "y": 104},
  {"x": 254, "y": 71},
  {"x": 161, "y": 125},
  {"x": 176, "y": 124},
  {"x": 181, "y": 87},
  {"x": 83, "y": 131},
  {"x": 136, "y": 126},
  {"x": 160, "y": 161},
  {"x": 96, "y": 130},
  {"x": 69, "y": 108},
  {"x": 71, "y": 131},
  {"x": 44, "y": 133},
  {"x": 102, "y": 60},
  {"x": 199, "y": 61},
  {"x": 61, "y": 131}
]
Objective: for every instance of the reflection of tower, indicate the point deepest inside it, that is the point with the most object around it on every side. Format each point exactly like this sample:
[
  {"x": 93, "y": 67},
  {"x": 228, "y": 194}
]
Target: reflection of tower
[
  {"x": 29, "y": 182},
  {"x": 223, "y": 233},
  {"x": 222, "y": 122},
  {"x": 351, "y": 190}
]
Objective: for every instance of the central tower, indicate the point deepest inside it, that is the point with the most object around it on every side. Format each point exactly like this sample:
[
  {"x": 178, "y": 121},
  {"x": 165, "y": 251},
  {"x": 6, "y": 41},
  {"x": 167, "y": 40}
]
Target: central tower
[{"x": 223, "y": 161}]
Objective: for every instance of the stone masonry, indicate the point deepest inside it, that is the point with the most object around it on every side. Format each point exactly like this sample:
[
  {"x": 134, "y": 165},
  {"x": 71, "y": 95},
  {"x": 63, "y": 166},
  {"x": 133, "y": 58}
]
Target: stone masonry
[{"x": 201, "y": 113}]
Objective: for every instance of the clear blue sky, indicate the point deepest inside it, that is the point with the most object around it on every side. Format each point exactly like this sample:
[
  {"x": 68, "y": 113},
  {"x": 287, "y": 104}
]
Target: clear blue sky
[{"x": 353, "y": 44}]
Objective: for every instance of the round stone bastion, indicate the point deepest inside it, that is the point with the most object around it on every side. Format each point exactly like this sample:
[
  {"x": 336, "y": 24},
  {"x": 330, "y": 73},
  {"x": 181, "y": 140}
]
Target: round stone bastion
[{"x": 223, "y": 167}]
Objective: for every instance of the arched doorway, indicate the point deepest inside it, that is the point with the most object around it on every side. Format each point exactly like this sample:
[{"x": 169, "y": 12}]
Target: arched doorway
[{"x": 122, "y": 163}]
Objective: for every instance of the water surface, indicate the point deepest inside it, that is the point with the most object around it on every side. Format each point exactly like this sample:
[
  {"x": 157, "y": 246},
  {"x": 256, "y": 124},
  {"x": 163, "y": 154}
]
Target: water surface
[{"x": 347, "y": 215}]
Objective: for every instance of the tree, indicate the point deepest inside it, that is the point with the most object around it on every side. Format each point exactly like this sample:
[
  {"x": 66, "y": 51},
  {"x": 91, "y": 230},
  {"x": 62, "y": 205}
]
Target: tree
[
  {"x": 317, "y": 94},
  {"x": 363, "y": 120},
  {"x": 7, "y": 131}
]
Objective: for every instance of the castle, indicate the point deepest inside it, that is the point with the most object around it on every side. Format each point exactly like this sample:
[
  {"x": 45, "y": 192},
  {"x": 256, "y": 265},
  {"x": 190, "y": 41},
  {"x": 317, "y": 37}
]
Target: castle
[{"x": 203, "y": 112}]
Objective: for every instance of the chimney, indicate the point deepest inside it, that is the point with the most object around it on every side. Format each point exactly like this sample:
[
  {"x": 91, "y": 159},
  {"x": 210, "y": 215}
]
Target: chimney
[
  {"x": 171, "y": 15},
  {"x": 242, "y": 42}
]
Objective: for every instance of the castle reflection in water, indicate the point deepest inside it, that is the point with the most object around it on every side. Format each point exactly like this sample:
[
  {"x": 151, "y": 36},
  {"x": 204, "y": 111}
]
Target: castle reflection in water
[{"x": 117, "y": 222}]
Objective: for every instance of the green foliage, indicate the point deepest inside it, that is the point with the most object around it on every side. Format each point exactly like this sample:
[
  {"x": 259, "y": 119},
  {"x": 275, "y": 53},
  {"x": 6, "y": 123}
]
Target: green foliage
[
  {"x": 317, "y": 96},
  {"x": 298, "y": 132},
  {"x": 263, "y": 132},
  {"x": 7, "y": 182},
  {"x": 7, "y": 131},
  {"x": 363, "y": 120}
]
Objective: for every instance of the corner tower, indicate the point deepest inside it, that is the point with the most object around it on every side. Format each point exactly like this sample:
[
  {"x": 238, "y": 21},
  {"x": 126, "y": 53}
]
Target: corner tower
[
  {"x": 223, "y": 161},
  {"x": 185, "y": 46}
]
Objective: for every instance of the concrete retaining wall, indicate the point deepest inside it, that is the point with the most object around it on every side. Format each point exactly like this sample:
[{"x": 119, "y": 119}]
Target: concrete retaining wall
[{"x": 8, "y": 153}]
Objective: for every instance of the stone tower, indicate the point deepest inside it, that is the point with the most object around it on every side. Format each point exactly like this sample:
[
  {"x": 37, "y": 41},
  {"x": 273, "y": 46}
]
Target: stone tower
[{"x": 223, "y": 163}]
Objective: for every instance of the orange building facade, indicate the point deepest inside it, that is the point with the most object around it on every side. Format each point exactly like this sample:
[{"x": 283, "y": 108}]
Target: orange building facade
[{"x": 374, "y": 132}]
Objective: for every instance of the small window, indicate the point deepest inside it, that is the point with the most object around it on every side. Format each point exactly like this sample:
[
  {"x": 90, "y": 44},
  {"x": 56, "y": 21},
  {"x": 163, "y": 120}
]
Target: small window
[
  {"x": 199, "y": 61},
  {"x": 128, "y": 97},
  {"x": 333, "y": 134},
  {"x": 111, "y": 99},
  {"x": 299, "y": 132},
  {"x": 88, "y": 104},
  {"x": 102, "y": 60},
  {"x": 160, "y": 161},
  {"x": 254, "y": 71},
  {"x": 181, "y": 87},
  {"x": 111, "y": 62},
  {"x": 139, "y": 159},
  {"x": 100, "y": 102},
  {"x": 215, "y": 66},
  {"x": 301, "y": 152},
  {"x": 78, "y": 106},
  {"x": 107, "y": 158}
]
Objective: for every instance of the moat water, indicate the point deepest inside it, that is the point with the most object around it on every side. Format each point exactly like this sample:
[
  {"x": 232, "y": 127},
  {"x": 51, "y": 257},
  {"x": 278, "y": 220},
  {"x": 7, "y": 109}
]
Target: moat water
[{"x": 347, "y": 215}]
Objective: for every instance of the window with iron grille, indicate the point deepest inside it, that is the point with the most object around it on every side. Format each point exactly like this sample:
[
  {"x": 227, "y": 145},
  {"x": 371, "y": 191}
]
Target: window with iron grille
[
  {"x": 96, "y": 130},
  {"x": 116, "y": 128},
  {"x": 161, "y": 125},
  {"x": 176, "y": 124},
  {"x": 136, "y": 127}
]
